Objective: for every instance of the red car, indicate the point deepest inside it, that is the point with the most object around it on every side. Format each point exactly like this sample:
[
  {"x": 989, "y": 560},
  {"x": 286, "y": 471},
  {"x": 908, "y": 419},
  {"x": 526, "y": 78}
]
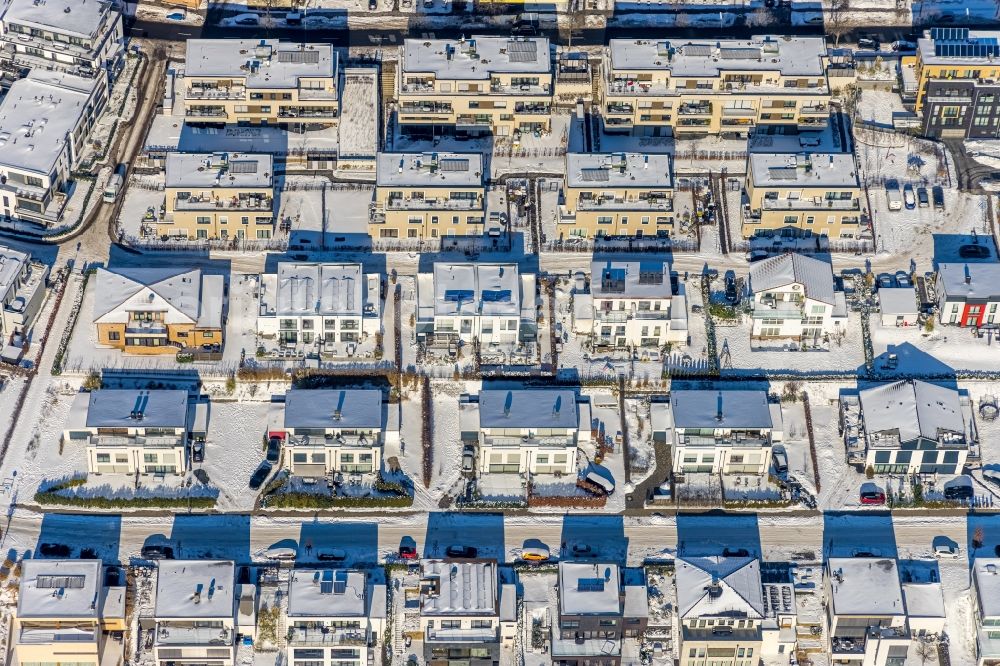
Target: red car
[
  {"x": 407, "y": 553},
  {"x": 872, "y": 497}
]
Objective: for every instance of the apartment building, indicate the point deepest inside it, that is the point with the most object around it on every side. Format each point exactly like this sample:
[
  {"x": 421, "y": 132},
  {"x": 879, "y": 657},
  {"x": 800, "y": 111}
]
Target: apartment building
[
  {"x": 75, "y": 36},
  {"x": 260, "y": 82},
  {"x": 326, "y": 431},
  {"x": 865, "y": 629},
  {"x": 480, "y": 85},
  {"x": 328, "y": 305},
  {"x": 718, "y": 432},
  {"x": 600, "y": 605},
  {"x": 22, "y": 291},
  {"x": 158, "y": 310},
  {"x": 65, "y": 611},
  {"x": 697, "y": 87},
  {"x": 794, "y": 299},
  {"x": 195, "y": 612},
  {"x": 468, "y": 613},
  {"x": 132, "y": 432},
  {"x": 986, "y": 604},
  {"x": 529, "y": 431},
  {"x": 463, "y": 302},
  {"x": 334, "y": 616},
  {"x": 968, "y": 294},
  {"x": 45, "y": 120},
  {"x": 909, "y": 427},
  {"x": 958, "y": 83},
  {"x": 811, "y": 194},
  {"x": 218, "y": 196},
  {"x": 428, "y": 195},
  {"x": 617, "y": 195},
  {"x": 633, "y": 304}
]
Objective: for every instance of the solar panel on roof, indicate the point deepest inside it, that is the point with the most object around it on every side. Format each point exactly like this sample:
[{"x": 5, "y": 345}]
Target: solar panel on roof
[
  {"x": 454, "y": 164},
  {"x": 949, "y": 33},
  {"x": 783, "y": 173},
  {"x": 522, "y": 51},
  {"x": 697, "y": 50},
  {"x": 595, "y": 175},
  {"x": 243, "y": 166},
  {"x": 739, "y": 54},
  {"x": 299, "y": 57},
  {"x": 496, "y": 295},
  {"x": 458, "y": 295},
  {"x": 590, "y": 585},
  {"x": 66, "y": 582}
]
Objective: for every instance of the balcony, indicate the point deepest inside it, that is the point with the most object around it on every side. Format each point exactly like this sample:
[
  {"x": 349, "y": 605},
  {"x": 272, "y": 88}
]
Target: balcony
[
  {"x": 695, "y": 110},
  {"x": 948, "y": 99},
  {"x": 208, "y": 112},
  {"x": 565, "y": 442},
  {"x": 434, "y": 204},
  {"x": 140, "y": 441},
  {"x": 411, "y": 107},
  {"x": 771, "y": 310},
  {"x": 139, "y": 327},
  {"x": 811, "y": 204},
  {"x": 621, "y": 86},
  {"x": 462, "y": 635},
  {"x": 216, "y": 93},
  {"x": 620, "y": 109},
  {"x": 326, "y": 637},
  {"x": 659, "y": 204},
  {"x": 521, "y": 89},
  {"x": 286, "y": 112},
  {"x": 622, "y": 316},
  {"x": 532, "y": 109},
  {"x": 258, "y": 203},
  {"x": 315, "y": 94},
  {"x": 46, "y": 635},
  {"x": 740, "y": 440},
  {"x": 173, "y": 634},
  {"x": 814, "y": 109},
  {"x": 740, "y": 112}
]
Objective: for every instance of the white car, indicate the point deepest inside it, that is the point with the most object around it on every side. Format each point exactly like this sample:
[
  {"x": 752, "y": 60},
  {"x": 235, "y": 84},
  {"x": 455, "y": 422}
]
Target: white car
[{"x": 944, "y": 552}]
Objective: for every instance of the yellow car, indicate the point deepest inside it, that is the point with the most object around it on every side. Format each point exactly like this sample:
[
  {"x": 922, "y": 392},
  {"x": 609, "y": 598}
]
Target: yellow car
[{"x": 535, "y": 554}]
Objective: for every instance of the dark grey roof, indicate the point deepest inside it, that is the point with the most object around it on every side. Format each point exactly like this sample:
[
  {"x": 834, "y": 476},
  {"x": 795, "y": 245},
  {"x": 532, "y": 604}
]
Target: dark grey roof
[{"x": 333, "y": 408}]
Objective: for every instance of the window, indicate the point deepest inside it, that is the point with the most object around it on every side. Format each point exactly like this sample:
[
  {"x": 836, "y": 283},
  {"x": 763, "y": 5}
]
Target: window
[
  {"x": 149, "y": 457},
  {"x": 114, "y": 336},
  {"x": 103, "y": 457}
]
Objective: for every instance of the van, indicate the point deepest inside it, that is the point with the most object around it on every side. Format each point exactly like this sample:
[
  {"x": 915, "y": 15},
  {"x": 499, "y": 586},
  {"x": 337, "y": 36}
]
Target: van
[
  {"x": 959, "y": 488},
  {"x": 780, "y": 459},
  {"x": 892, "y": 195},
  {"x": 606, "y": 484}
]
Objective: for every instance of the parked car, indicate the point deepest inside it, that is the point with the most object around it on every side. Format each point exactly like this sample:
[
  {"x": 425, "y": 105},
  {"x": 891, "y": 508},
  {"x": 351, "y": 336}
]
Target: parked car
[
  {"x": 463, "y": 552},
  {"x": 260, "y": 475},
  {"x": 922, "y": 197},
  {"x": 874, "y": 497},
  {"x": 945, "y": 551},
  {"x": 780, "y": 459},
  {"x": 732, "y": 295},
  {"x": 903, "y": 280},
  {"x": 735, "y": 552},
  {"x": 246, "y": 20},
  {"x": 909, "y": 199},
  {"x": 198, "y": 452},
  {"x": 903, "y": 45},
  {"x": 892, "y": 195},
  {"x": 468, "y": 458},
  {"x": 959, "y": 488},
  {"x": 868, "y": 44},
  {"x": 606, "y": 485},
  {"x": 535, "y": 554},
  {"x": 407, "y": 552},
  {"x": 273, "y": 450},
  {"x": 157, "y": 551},
  {"x": 937, "y": 196},
  {"x": 582, "y": 550},
  {"x": 54, "y": 550},
  {"x": 973, "y": 252},
  {"x": 280, "y": 553},
  {"x": 992, "y": 475},
  {"x": 885, "y": 281}
]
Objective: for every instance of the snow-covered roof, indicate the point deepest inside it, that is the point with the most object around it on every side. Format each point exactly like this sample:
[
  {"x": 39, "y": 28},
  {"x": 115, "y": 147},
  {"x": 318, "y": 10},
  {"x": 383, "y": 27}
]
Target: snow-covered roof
[
  {"x": 458, "y": 587},
  {"x": 791, "y": 56},
  {"x": 227, "y": 170},
  {"x": 195, "y": 589},
  {"x": 898, "y": 301},
  {"x": 330, "y": 593},
  {"x": 263, "y": 63},
  {"x": 476, "y": 288},
  {"x": 630, "y": 279},
  {"x": 528, "y": 408},
  {"x": 804, "y": 170},
  {"x": 604, "y": 170},
  {"x": 958, "y": 46},
  {"x": 852, "y": 580},
  {"x": 126, "y": 408},
  {"x": 319, "y": 289},
  {"x": 986, "y": 578},
  {"x": 333, "y": 408},
  {"x": 923, "y": 599},
  {"x": 738, "y": 408},
  {"x": 358, "y": 131},
  {"x": 37, "y": 114},
  {"x": 431, "y": 169},
  {"x": 815, "y": 276},
  {"x": 970, "y": 282},
  {"x": 913, "y": 408},
  {"x": 60, "y": 588},
  {"x": 719, "y": 586},
  {"x": 477, "y": 57},
  {"x": 636, "y": 593},
  {"x": 79, "y": 18},
  {"x": 185, "y": 295},
  {"x": 589, "y": 588},
  {"x": 11, "y": 264}
]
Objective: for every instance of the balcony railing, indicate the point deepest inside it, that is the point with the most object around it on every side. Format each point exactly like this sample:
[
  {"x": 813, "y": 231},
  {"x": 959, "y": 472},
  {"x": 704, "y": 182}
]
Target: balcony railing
[
  {"x": 811, "y": 109},
  {"x": 738, "y": 441},
  {"x": 141, "y": 441},
  {"x": 695, "y": 109},
  {"x": 205, "y": 113},
  {"x": 463, "y": 635},
  {"x": 949, "y": 99},
  {"x": 317, "y": 94},
  {"x": 236, "y": 93},
  {"x": 240, "y": 203},
  {"x": 740, "y": 112},
  {"x": 326, "y": 636},
  {"x": 425, "y": 108},
  {"x": 541, "y": 442},
  {"x": 433, "y": 204},
  {"x": 188, "y": 635},
  {"x": 646, "y": 205},
  {"x": 811, "y": 204},
  {"x": 532, "y": 109}
]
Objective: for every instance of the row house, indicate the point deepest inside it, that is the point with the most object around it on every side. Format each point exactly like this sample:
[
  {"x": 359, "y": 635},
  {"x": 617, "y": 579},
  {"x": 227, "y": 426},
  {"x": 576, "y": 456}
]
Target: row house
[
  {"x": 794, "y": 299},
  {"x": 529, "y": 431},
  {"x": 22, "y": 290},
  {"x": 986, "y": 606},
  {"x": 428, "y": 195},
  {"x": 261, "y": 82},
  {"x": 700, "y": 87},
  {"x": 617, "y": 195},
  {"x": 132, "y": 432},
  {"x": 480, "y": 85},
  {"x": 158, "y": 310},
  {"x": 968, "y": 294},
  {"x": 810, "y": 194}
]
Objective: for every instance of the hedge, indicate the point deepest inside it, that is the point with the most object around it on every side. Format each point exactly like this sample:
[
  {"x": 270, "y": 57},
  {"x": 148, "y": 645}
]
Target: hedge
[
  {"x": 53, "y": 497},
  {"x": 296, "y": 500}
]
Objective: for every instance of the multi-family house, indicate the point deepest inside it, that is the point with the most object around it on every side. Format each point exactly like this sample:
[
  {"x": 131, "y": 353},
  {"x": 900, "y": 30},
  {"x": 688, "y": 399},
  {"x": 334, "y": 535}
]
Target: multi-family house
[
  {"x": 909, "y": 427},
  {"x": 133, "y": 432},
  {"x": 600, "y": 605},
  {"x": 794, "y": 299},
  {"x": 66, "y": 610},
  {"x": 328, "y": 305},
  {"x": 334, "y": 617},
  {"x": 75, "y": 36},
  {"x": 729, "y": 614},
  {"x": 812, "y": 194},
  {"x": 260, "y": 82},
  {"x": 195, "y": 612},
  {"x": 218, "y": 196},
  {"x": 479, "y": 85},
  {"x": 22, "y": 290},
  {"x": 865, "y": 628},
  {"x": 634, "y": 305},
  {"x": 957, "y": 73},
  {"x": 491, "y": 303},
  {"x": 968, "y": 294},
  {"x": 428, "y": 195},
  {"x": 158, "y": 310},
  {"x": 986, "y": 604},
  {"x": 467, "y": 612},
  {"x": 718, "y": 432},
  {"x": 528, "y": 431},
  {"x": 325, "y": 431},
  {"x": 617, "y": 195},
  {"x": 697, "y": 87},
  {"x": 45, "y": 121}
]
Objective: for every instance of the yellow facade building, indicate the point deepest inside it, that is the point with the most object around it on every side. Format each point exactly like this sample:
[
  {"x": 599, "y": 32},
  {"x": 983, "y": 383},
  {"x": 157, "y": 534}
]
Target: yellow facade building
[
  {"x": 260, "y": 82},
  {"x": 699, "y": 87},
  {"x": 218, "y": 196},
  {"x": 502, "y": 85}
]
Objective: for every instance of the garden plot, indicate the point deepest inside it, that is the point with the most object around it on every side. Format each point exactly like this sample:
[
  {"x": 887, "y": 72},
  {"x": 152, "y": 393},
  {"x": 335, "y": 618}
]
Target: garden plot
[
  {"x": 347, "y": 216},
  {"x": 796, "y": 442},
  {"x": 940, "y": 351},
  {"x": 660, "y": 639},
  {"x": 233, "y": 450},
  {"x": 143, "y": 200},
  {"x": 540, "y": 612}
]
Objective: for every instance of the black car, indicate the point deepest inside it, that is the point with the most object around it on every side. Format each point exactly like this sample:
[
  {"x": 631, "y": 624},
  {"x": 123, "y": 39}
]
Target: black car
[
  {"x": 937, "y": 195},
  {"x": 54, "y": 550},
  {"x": 958, "y": 492},
  {"x": 198, "y": 452},
  {"x": 467, "y": 552},
  {"x": 732, "y": 295},
  {"x": 273, "y": 450},
  {"x": 868, "y": 44},
  {"x": 735, "y": 552},
  {"x": 922, "y": 200},
  {"x": 260, "y": 475},
  {"x": 973, "y": 252},
  {"x": 157, "y": 552}
]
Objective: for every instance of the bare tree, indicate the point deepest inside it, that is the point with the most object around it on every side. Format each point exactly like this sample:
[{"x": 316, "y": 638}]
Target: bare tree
[
  {"x": 977, "y": 537},
  {"x": 837, "y": 19},
  {"x": 926, "y": 651}
]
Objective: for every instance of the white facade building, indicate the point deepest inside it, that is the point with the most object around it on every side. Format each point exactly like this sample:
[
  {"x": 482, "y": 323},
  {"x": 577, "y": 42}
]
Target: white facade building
[
  {"x": 986, "y": 604},
  {"x": 794, "y": 298},
  {"x": 22, "y": 290},
  {"x": 634, "y": 305}
]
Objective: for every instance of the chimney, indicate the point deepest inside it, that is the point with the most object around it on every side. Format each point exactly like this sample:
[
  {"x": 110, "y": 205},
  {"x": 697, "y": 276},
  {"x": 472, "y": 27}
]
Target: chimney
[
  {"x": 968, "y": 275},
  {"x": 506, "y": 404},
  {"x": 645, "y": 161},
  {"x": 718, "y": 408}
]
